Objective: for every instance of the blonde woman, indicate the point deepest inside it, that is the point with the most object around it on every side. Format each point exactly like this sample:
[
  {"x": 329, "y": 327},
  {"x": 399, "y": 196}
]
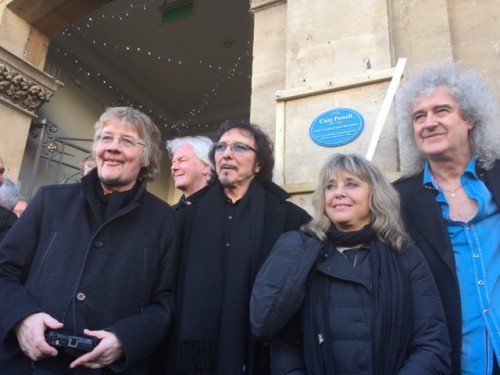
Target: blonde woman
[{"x": 348, "y": 293}]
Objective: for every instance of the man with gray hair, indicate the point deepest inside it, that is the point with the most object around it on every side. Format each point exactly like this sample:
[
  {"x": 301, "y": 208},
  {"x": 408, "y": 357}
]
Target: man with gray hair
[
  {"x": 7, "y": 217},
  {"x": 450, "y": 196},
  {"x": 190, "y": 168},
  {"x": 89, "y": 270},
  {"x": 9, "y": 193}
]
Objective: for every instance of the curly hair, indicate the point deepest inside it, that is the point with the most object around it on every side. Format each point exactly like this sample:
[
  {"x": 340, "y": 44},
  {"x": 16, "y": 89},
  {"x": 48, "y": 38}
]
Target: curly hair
[
  {"x": 477, "y": 103},
  {"x": 384, "y": 200},
  {"x": 263, "y": 146},
  {"x": 148, "y": 133}
]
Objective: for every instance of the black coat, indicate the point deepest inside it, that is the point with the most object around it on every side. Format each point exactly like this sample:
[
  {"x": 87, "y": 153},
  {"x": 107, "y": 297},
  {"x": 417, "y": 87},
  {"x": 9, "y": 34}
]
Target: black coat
[
  {"x": 337, "y": 320},
  {"x": 424, "y": 220},
  {"x": 118, "y": 274},
  {"x": 192, "y": 199},
  {"x": 7, "y": 219},
  {"x": 270, "y": 215}
]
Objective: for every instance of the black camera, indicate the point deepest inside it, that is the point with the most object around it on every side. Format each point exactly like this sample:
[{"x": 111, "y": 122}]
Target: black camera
[{"x": 59, "y": 339}]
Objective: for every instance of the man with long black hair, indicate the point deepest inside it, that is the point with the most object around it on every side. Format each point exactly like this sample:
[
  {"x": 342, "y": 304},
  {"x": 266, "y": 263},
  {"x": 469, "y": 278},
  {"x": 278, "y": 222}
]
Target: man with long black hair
[{"x": 225, "y": 239}]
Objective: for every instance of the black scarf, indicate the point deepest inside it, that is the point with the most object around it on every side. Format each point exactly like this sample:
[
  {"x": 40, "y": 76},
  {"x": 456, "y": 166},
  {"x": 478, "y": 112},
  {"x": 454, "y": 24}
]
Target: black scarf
[
  {"x": 359, "y": 237},
  {"x": 112, "y": 202},
  {"x": 105, "y": 205},
  {"x": 390, "y": 299},
  {"x": 216, "y": 293},
  {"x": 392, "y": 312}
]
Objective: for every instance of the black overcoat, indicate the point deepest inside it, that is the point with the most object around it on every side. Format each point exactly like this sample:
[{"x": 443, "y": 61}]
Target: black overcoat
[
  {"x": 7, "y": 219},
  {"x": 61, "y": 258},
  {"x": 270, "y": 216}
]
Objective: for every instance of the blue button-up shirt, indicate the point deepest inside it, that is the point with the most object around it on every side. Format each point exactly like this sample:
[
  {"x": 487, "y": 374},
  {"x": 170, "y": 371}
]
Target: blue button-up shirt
[{"x": 476, "y": 247}]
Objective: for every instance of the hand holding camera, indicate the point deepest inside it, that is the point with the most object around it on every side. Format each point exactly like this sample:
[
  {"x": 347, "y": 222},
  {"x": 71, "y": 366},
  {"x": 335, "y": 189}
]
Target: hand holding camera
[{"x": 71, "y": 343}]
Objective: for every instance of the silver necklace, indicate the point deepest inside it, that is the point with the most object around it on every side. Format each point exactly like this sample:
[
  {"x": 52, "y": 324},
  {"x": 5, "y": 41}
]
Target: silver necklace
[{"x": 452, "y": 192}]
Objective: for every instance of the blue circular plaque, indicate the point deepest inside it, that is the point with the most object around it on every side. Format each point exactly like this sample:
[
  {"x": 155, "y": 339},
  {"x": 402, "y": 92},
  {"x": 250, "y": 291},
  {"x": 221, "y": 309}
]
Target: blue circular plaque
[{"x": 336, "y": 127}]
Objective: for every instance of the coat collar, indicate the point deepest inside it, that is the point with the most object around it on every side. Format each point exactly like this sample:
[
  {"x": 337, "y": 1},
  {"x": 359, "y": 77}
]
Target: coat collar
[
  {"x": 426, "y": 217},
  {"x": 491, "y": 178},
  {"x": 90, "y": 182}
]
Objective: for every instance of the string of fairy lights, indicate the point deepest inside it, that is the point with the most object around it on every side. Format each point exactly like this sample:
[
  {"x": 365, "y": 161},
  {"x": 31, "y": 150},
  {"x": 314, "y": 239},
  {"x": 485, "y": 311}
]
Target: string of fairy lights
[{"x": 189, "y": 123}]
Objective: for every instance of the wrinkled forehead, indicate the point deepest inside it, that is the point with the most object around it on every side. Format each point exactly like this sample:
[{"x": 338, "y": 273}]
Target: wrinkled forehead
[
  {"x": 184, "y": 150},
  {"x": 442, "y": 93},
  {"x": 114, "y": 126}
]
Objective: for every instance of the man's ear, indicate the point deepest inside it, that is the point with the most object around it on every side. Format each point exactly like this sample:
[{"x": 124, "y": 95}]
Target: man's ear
[
  {"x": 257, "y": 168},
  {"x": 206, "y": 169}
]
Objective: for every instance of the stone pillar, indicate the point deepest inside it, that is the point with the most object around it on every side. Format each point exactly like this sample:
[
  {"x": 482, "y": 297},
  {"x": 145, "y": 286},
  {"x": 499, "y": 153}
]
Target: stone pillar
[
  {"x": 26, "y": 27},
  {"x": 311, "y": 57},
  {"x": 24, "y": 87},
  {"x": 269, "y": 60},
  {"x": 421, "y": 32}
]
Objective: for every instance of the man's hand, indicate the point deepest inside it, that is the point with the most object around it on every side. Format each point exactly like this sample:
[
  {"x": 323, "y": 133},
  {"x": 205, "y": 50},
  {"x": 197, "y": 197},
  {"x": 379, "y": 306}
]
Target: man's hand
[
  {"x": 30, "y": 335},
  {"x": 108, "y": 351}
]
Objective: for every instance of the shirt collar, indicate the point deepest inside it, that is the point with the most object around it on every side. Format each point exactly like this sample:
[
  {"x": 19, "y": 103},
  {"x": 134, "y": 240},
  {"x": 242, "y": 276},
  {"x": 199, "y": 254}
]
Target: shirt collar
[{"x": 428, "y": 179}]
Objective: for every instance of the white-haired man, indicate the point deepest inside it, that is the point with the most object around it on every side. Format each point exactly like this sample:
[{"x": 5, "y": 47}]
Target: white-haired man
[{"x": 190, "y": 168}]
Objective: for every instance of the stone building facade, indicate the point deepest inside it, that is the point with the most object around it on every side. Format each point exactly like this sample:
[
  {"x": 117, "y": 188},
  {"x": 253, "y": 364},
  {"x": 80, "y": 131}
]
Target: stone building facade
[{"x": 310, "y": 56}]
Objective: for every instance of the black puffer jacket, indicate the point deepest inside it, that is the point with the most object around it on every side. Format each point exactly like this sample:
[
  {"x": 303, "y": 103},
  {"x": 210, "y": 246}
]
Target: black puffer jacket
[{"x": 335, "y": 333}]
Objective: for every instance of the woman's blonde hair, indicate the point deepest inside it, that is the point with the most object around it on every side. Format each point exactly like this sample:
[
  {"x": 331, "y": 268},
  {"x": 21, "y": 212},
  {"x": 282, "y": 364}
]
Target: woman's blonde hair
[{"x": 384, "y": 200}]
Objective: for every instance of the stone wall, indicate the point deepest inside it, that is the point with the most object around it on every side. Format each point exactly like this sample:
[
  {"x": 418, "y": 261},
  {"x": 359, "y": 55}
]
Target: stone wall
[
  {"x": 309, "y": 57},
  {"x": 25, "y": 30},
  {"x": 314, "y": 56}
]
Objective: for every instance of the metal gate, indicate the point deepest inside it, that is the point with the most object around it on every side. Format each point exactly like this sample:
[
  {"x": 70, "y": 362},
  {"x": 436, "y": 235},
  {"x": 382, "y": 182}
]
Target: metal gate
[{"x": 59, "y": 156}]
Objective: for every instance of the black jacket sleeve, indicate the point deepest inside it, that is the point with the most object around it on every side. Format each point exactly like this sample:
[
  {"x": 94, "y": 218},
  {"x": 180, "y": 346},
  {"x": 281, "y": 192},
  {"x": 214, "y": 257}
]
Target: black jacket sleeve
[{"x": 279, "y": 286}]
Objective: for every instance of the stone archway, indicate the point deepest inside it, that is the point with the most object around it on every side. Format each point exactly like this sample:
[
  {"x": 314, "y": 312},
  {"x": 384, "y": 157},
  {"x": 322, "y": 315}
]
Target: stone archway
[{"x": 26, "y": 28}]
